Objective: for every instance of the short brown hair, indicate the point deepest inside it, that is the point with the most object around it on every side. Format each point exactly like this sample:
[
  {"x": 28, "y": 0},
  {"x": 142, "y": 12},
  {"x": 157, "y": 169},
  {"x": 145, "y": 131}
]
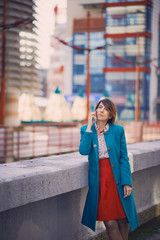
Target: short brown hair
[{"x": 110, "y": 107}]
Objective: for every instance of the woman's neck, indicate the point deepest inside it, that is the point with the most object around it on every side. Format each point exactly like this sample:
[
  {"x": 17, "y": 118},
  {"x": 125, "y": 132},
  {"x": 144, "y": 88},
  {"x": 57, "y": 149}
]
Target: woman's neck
[{"x": 101, "y": 125}]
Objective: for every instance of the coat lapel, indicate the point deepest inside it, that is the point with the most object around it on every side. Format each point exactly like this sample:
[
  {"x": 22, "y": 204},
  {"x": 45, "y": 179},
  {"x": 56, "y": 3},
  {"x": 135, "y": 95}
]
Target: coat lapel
[
  {"x": 95, "y": 141},
  {"x": 109, "y": 136},
  {"x": 109, "y": 139}
]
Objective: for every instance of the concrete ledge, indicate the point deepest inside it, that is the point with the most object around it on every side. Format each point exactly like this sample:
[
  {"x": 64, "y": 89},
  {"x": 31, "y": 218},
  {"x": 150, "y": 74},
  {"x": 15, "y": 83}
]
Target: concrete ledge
[
  {"x": 33, "y": 180},
  {"x": 145, "y": 154},
  {"x": 37, "y": 193}
]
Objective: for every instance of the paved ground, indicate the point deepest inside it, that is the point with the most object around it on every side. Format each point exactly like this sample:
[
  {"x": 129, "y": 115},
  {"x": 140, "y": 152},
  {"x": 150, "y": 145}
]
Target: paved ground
[
  {"x": 148, "y": 231},
  {"x": 155, "y": 236}
]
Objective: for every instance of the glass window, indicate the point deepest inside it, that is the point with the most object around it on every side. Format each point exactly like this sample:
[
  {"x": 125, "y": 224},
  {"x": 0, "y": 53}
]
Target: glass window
[
  {"x": 158, "y": 111},
  {"x": 97, "y": 40},
  {"x": 122, "y": 52},
  {"x": 79, "y": 80},
  {"x": 79, "y": 38},
  {"x": 79, "y": 59},
  {"x": 158, "y": 71},
  {"x": 97, "y": 62},
  {"x": 131, "y": 18},
  {"x": 126, "y": 16},
  {"x": 116, "y": 20},
  {"x": 123, "y": 83},
  {"x": 114, "y": 76},
  {"x": 158, "y": 84},
  {"x": 148, "y": 18},
  {"x": 131, "y": 40},
  {"x": 116, "y": 1},
  {"x": 134, "y": 0},
  {"x": 97, "y": 83},
  {"x": 79, "y": 69},
  {"x": 81, "y": 52}
]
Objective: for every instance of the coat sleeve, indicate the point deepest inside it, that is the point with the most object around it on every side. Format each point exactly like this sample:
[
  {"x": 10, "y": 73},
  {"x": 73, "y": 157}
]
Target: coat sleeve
[
  {"x": 85, "y": 142},
  {"x": 126, "y": 178}
]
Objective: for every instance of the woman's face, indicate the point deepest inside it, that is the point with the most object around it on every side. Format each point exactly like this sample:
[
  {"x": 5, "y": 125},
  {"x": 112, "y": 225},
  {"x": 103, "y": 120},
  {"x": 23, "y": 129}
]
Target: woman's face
[{"x": 102, "y": 113}]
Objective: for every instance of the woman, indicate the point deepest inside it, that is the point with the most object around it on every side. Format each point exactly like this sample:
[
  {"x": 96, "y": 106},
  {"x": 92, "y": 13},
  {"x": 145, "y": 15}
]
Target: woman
[{"x": 110, "y": 197}]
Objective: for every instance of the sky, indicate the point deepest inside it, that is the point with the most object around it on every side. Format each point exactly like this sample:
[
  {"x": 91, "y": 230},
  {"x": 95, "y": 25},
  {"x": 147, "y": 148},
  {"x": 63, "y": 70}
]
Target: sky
[{"x": 45, "y": 24}]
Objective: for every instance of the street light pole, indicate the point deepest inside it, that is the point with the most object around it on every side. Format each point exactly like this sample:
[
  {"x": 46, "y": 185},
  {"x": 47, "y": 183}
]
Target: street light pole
[
  {"x": 3, "y": 80},
  {"x": 88, "y": 64},
  {"x": 137, "y": 104}
]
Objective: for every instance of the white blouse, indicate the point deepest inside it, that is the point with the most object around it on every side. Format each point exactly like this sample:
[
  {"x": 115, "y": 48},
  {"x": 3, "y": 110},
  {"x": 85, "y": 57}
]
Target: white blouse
[{"x": 103, "y": 153}]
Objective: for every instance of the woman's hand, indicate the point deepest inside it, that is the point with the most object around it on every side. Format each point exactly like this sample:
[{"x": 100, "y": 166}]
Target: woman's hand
[
  {"x": 91, "y": 119},
  {"x": 127, "y": 191}
]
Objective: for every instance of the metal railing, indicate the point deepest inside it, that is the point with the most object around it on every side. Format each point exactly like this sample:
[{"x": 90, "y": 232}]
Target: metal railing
[
  {"x": 141, "y": 131},
  {"x": 44, "y": 139},
  {"x": 38, "y": 140}
]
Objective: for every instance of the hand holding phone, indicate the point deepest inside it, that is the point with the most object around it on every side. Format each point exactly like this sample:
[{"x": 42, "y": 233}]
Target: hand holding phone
[{"x": 91, "y": 119}]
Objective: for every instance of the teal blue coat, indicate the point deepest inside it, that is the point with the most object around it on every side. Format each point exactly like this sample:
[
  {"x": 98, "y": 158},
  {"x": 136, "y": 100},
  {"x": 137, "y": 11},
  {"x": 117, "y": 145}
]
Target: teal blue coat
[{"x": 117, "y": 150}]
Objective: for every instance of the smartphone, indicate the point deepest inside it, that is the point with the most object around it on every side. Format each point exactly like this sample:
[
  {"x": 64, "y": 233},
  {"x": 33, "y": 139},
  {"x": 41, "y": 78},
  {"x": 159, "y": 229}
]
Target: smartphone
[{"x": 95, "y": 116}]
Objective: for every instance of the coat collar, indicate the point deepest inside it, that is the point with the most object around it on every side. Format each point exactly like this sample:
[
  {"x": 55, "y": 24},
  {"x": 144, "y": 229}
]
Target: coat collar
[
  {"x": 106, "y": 127},
  {"x": 93, "y": 128}
]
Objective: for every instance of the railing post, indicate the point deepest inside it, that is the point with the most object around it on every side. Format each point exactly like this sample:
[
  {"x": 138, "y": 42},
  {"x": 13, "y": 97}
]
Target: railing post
[
  {"x": 18, "y": 144},
  {"x": 48, "y": 140},
  {"x": 9, "y": 144},
  {"x": 33, "y": 141},
  {"x": 59, "y": 137},
  {"x": 71, "y": 137},
  {"x": 5, "y": 144}
]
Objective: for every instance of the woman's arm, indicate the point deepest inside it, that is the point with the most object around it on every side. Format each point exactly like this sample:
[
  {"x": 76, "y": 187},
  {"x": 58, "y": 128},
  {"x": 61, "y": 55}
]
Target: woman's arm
[
  {"x": 86, "y": 135},
  {"x": 85, "y": 142}
]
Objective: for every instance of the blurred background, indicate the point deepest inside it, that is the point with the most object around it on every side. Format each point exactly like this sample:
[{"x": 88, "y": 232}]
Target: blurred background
[{"x": 58, "y": 58}]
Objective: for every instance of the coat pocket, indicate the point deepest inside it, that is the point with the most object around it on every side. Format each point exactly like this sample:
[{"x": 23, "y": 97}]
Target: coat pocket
[{"x": 92, "y": 176}]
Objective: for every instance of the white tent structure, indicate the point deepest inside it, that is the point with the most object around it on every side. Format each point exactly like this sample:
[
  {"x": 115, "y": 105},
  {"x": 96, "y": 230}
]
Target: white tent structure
[
  {"x": 79, "y": 109},
  {"x": 57, "y": 109},
  {"x": 28, "y": 111}
]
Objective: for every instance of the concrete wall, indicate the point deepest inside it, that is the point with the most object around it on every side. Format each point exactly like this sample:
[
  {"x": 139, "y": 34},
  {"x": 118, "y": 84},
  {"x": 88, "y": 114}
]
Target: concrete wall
[
  {"x": 154, "y": 55},
  {"x": 43, "y": 199}
]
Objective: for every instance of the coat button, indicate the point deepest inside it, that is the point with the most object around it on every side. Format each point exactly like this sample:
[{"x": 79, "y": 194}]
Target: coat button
[
  {"x": 113, "y": 166},
  {"x": 109, "y": 149},
  {"x": 94, "y": 145},
  {"x": 117, "y": 183},
  {"x": 97, "y": 163}
]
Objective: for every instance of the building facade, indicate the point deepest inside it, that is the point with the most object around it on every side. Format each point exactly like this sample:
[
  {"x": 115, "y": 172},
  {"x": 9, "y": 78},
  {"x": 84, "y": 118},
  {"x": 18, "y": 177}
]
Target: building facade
[
  {"x": 18, "y": 56},
  {"x": 158, "y": 74},
  {"x": 76, "y": 14},
  {"x": 154, "y": 97},
  {"x": 131, "y": 36},
  {"x": 21, "y": 70},
  {"x": 55, "y": 73},
  {"x": 128, "y": 31},
  {"x": 97, "y": 57}
]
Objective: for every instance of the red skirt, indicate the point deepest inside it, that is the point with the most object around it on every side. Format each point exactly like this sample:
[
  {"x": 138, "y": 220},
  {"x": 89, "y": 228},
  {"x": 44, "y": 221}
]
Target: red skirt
[{"x": 109, "y": 203}]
